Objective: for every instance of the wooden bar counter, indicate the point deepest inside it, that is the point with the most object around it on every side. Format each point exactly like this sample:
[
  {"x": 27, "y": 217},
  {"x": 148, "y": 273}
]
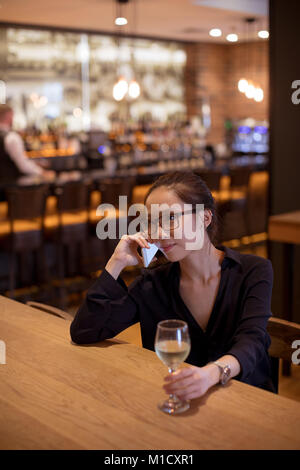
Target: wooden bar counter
[{"x": 58, "y": 395}]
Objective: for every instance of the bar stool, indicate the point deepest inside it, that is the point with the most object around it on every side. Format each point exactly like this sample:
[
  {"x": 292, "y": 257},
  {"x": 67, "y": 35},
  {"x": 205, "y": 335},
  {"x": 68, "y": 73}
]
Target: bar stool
[
  {"x": 97, "y": 249},
  {"x": 111, "y": 189},
  {"x": 71, "y": 236},
  {"x": 211, "y": 177},
  {"x": 239, "y": 177},
  {"x": 234, "y": 209},
  {"x": 257, "y": 205},
  {"x": 26, "y": 213}
]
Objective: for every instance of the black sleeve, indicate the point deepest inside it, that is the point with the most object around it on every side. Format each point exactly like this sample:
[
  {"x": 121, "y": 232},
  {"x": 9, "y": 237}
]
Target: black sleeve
[
  {"x": 251, "y": 339},
  {"x": 107, "y": 310}
]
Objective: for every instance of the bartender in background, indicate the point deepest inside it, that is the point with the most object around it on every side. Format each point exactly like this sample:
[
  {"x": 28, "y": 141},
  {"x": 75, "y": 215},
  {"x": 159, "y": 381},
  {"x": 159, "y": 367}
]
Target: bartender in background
[{"x": 13, "y": 160}]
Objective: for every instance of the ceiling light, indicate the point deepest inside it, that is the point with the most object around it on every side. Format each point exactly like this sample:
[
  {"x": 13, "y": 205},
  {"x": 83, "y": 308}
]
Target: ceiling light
[
  {"x": 43, "y": 100},
  {"x": 121, "y": 21},
  {"x": 120, "y": 89},
  {"x": 215, "y": 32},
  {"x": 250, "y": 91},
  {"x": 232, "y": 37},
  {"x": 258, "y": 94},
  {"x": 242, "y": 85},
  {"x": 134, "y": 89},
  {"x": 34, "y": 97},
  {"x": 263, "y": 34},
  {"x": 83, "y": 50},
  {"x": 77, "y": 112},
  {"x": 2, "y": 92}
]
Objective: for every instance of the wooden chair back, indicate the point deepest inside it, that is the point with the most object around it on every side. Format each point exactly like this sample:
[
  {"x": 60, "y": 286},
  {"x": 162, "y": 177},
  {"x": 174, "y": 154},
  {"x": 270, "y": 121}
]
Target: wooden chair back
[
  {"x": 283, "y": 334},
  {"x": 51, "y": 310}
]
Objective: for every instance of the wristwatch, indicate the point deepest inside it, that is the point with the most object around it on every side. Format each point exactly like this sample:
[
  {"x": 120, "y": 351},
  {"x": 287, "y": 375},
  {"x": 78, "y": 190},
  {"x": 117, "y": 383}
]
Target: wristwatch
[{"x": 225, "y": 372}]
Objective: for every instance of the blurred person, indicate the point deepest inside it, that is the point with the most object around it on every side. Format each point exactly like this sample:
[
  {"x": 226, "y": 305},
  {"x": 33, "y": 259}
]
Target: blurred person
[{"x": 13, "y": 160}]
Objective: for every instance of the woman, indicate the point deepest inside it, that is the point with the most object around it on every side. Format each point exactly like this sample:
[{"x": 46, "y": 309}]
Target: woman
[{"x": 223, "y": 295}]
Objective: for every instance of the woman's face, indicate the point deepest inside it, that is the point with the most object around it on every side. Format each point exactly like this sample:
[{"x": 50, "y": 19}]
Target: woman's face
[{"x": 176, "y": 243}]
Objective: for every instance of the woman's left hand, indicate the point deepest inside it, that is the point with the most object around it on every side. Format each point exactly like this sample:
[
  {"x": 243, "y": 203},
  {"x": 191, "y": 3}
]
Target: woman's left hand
[{"x": 191, "y": 382}]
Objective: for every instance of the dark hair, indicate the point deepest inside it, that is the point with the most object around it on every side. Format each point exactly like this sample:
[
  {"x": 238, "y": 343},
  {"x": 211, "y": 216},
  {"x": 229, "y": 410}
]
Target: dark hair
[{"x": 191, "y": 189}]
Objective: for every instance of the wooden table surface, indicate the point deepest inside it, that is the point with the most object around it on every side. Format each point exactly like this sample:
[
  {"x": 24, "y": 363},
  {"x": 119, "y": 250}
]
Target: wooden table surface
[
  {"x": 285, "y": 227},
  {"x": 58, "y": 395}
]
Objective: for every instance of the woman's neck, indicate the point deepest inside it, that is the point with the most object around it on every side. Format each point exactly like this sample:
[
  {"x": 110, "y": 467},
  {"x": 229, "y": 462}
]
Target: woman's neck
[{"x": 202, "y": 264}]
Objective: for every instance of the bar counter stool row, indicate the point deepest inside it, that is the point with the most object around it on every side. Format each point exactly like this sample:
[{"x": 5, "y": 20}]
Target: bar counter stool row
[{"x": 63, "y": 239}]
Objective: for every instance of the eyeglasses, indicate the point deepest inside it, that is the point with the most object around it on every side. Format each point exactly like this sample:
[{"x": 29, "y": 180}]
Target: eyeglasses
[{"x": 168, "y": 221}]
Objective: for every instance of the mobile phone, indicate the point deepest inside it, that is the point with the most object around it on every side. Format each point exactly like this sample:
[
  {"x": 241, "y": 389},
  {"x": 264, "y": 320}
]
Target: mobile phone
[{"x": 148, "y": 254}]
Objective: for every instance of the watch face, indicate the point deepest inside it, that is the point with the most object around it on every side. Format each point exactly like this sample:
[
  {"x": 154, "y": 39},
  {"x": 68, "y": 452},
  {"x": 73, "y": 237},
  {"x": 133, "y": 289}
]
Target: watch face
[{"x": 225, "y": 375}]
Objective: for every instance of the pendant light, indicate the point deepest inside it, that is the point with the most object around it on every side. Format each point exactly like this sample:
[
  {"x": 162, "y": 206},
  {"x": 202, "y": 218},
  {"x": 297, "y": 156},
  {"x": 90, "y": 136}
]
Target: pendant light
[
  {"x": 243, "y": 82},
  {"x": 259, "y": 93},
  {"x": 134, "y": 87},
  {"x": 121, "y": 87},
  {"x": 246, "y": 84},
  {"x": 120, "y": 19}
]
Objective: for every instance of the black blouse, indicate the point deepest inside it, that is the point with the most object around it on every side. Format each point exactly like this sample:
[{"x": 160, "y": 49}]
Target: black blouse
[{"x": 237, "y": 324}]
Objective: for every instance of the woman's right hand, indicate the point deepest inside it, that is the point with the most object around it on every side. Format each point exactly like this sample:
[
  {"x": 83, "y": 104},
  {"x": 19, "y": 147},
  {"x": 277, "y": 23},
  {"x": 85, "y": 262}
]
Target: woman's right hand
[{"x": 126, "y": 253}]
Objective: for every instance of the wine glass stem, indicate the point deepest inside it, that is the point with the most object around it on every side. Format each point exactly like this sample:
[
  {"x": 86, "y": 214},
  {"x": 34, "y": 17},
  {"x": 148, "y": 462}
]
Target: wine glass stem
[{"x": 172, "y": 397}]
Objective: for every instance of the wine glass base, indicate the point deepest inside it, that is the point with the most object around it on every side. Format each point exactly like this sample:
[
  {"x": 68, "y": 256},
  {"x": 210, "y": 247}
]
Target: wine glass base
[{"x": 174, "y": 407}]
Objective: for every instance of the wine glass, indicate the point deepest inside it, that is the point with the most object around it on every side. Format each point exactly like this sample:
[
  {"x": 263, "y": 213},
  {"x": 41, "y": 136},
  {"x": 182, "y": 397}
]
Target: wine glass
[{"x": 172, "y": 345}]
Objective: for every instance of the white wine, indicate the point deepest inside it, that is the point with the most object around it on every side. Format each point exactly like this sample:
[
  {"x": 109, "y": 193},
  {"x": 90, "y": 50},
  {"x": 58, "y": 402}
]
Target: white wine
[
  {"x": 171, "y": 352},
  {"x": 172, "y": 346}
]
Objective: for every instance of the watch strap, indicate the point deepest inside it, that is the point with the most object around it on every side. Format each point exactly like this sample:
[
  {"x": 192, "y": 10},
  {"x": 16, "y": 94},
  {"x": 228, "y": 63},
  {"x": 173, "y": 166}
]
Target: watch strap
[{"x": 224, "y": 372}]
